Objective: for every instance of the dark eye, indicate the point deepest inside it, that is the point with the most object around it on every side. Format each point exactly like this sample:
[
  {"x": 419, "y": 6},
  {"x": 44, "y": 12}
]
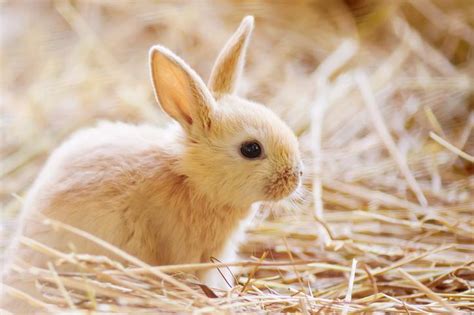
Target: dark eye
[{"x": 251, "y": 149}]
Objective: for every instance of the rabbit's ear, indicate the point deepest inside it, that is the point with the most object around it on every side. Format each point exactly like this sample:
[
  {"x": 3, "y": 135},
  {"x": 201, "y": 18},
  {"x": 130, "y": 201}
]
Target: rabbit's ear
[
  {"x": 230, "y": 62},
  {"x": 180, "y": 91}
]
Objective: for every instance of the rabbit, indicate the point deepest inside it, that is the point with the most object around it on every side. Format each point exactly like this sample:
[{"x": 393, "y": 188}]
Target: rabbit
[{"x": 180, "y": 194}]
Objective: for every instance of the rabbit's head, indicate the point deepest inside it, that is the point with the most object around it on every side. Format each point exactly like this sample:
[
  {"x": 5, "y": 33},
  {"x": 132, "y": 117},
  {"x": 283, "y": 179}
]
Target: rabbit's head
[{"x": 236, "y": 151}]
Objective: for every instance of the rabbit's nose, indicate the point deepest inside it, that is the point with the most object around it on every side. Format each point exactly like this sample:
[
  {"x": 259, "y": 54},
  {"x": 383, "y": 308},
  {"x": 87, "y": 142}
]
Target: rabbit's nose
[{"x": 298, "y": 170}]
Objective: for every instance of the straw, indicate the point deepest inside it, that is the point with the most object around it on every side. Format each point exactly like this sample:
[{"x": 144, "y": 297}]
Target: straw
[{"x": 379, "y": 94}]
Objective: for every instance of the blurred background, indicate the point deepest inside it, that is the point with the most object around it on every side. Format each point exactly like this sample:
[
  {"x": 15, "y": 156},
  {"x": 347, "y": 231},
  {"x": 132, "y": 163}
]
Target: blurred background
[{"x": 380, "y": 94}]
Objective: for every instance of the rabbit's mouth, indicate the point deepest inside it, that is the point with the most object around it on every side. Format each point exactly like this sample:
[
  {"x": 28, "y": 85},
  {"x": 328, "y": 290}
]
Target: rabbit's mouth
[{"x": 283, "y": 184}]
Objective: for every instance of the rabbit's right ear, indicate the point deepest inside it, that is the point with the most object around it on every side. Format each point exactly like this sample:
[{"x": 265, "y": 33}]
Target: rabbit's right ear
[
  {"x": 180, "y": 91},
  {"x": 227, "y": 70}
]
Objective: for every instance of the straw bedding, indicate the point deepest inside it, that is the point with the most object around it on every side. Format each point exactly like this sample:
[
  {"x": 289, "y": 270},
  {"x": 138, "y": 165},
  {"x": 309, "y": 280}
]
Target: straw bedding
[{"x": 380, "y": 94}]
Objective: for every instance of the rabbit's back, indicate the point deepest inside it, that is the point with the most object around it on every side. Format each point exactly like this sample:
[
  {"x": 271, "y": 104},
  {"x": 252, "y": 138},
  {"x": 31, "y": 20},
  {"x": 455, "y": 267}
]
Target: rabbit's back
[{"x": 118, "y": 154}]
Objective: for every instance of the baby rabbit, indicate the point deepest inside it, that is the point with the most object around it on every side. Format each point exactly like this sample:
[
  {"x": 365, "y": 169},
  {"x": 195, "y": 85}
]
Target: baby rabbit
[{"x": 176, "y": 195}]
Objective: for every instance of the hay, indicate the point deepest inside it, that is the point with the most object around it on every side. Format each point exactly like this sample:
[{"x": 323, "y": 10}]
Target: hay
[{"x": 380, "y": 94}]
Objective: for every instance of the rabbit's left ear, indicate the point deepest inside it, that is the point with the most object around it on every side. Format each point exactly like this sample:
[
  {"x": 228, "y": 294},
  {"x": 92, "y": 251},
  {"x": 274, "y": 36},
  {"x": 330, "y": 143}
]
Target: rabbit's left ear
[
  {"x": 228, "y": 67},
  {"x": 180, "y": 91}
]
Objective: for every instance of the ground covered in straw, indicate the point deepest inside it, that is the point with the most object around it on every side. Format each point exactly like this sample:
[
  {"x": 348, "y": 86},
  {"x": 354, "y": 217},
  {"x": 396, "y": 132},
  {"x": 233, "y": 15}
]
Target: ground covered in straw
[{"x": 380, "y": 94}]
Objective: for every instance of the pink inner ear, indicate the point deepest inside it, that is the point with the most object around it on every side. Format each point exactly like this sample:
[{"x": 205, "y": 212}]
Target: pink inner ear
[
  {"x": 179, "y": 105},
  {"x": 180, "y": 91}
]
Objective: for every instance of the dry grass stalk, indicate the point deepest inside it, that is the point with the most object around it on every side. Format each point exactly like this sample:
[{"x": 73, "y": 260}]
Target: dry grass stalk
[
  {"x": 66, "y": 64},
  {"x": 350, "y": 287},
  {"x": 451, "y": 147},
  {"x": 381, "y": 127},
  {"x": 428, "y": 292}
]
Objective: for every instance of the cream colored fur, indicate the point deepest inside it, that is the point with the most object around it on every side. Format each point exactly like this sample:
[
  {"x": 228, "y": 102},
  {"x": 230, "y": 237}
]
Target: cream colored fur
[{"x": 178, "y": 195}]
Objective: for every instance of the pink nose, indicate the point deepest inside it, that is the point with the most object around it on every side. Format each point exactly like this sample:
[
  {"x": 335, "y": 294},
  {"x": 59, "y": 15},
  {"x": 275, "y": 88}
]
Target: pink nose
[{"x": 298, "y": 170}]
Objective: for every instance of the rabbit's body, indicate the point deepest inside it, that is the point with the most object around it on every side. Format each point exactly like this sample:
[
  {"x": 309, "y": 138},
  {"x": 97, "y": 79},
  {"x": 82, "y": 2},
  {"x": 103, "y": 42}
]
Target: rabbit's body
[
  {"x": 123, "y": 184},
  {"x": 167, "y": 196}
]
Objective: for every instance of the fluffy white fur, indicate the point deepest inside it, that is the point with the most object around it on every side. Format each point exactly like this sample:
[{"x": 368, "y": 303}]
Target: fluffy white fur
[{"x": 168, "y": 196}]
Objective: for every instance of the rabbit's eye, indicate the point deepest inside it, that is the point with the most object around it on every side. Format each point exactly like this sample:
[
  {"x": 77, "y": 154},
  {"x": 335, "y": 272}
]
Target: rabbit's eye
[{"x": 251, "y": 149}]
